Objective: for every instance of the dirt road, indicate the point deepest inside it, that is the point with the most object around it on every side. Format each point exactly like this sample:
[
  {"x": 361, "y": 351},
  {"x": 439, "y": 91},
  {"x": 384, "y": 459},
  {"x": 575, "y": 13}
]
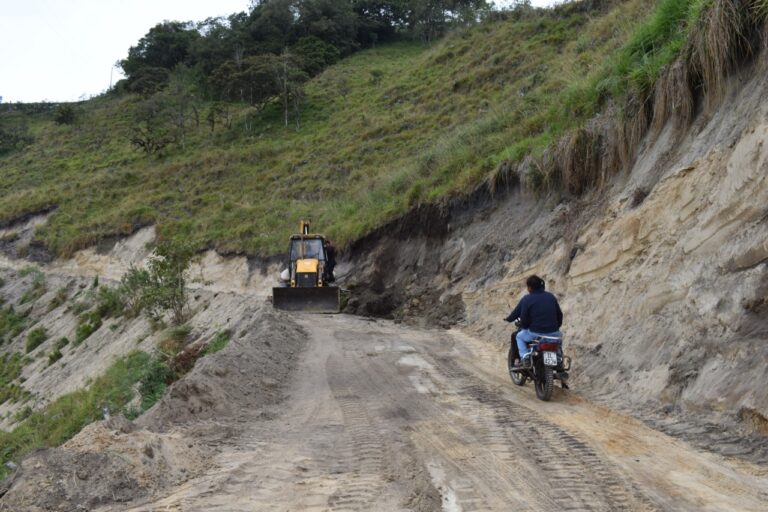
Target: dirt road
[{"x": 383, "y": 417}]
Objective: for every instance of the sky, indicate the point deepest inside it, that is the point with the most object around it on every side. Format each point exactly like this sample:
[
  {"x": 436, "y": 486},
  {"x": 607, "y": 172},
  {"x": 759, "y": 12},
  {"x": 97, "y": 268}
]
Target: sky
[{"x": 65, "y": 50}]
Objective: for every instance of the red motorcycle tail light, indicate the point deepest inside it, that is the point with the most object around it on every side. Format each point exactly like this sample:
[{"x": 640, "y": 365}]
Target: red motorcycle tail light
[{"x": 548, "y": 346}]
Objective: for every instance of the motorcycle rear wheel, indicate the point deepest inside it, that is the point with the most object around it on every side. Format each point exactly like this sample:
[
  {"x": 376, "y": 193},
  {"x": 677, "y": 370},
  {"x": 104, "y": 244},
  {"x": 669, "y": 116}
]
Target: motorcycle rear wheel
[
  {"x": 545, "y": 385},
  {"x": 518, "y": 378}
]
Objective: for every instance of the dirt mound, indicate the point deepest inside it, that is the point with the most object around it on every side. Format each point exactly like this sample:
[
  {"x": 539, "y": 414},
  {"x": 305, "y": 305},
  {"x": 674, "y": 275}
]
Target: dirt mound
[
  {"x": 61, "y": 480},
  {"x": 117, "y": 461},
  {"x": 247, "y": 374},
  {"x": 107, "y": 462}
]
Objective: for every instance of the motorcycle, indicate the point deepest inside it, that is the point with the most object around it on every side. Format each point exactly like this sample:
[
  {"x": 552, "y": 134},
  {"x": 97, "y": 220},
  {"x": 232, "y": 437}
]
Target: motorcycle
[{"x": 545, "y": 364}]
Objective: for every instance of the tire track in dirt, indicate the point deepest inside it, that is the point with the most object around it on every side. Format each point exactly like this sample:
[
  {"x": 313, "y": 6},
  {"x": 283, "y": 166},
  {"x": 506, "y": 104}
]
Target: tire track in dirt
[
  {"x": 387, "y": 418},
  {"x": 365, "y": 452},
  {"x": 456, "y": 446},
  {"x": 578, "y": 478}
]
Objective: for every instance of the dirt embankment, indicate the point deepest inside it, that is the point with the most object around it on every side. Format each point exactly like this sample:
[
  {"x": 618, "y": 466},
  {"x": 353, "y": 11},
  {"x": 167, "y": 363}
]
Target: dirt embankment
[
  {"x": 117, "y": 461},
  {"x": 662, "y": 274}
]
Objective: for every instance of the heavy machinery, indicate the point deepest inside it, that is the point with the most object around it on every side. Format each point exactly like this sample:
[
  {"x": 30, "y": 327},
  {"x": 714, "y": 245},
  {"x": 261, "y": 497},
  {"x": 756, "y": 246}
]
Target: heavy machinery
[{"x": 306, "y": 281}]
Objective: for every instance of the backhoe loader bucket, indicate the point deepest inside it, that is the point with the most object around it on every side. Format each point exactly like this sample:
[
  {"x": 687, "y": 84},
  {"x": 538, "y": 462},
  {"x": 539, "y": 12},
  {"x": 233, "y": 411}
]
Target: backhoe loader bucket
[{"x": 323, "y": 299}]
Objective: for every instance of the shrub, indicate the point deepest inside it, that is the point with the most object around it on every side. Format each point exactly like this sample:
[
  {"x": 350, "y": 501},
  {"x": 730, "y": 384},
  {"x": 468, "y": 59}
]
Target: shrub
[
  {"x": 219, "y": 341},
  {"x": 37, "y": 286},
  {"x": 132, "y": 285},
  {"x": 162, "y": 286},
  {"x": 22, "y": 414},
  {"x": 35, "y": 338},
  {"x": 14, "y": 138},
  {"x": 64, "y": 114},
  {"x": 68, "y": 414},
  {"x": 109, "y": 302},
  {"x": 56, "y": 354},
  {"x": 153, "y": 382},
  {"x": 174, "y": 342},
  {"x": 58, "y": 299},
  {"x": 88, "y": 323},
  {"x": 11, "y": 324},
  {"x": 11, "y": 365}
]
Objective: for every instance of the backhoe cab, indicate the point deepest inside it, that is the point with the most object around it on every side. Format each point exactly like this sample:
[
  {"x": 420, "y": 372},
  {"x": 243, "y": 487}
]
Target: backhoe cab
[{"x": 305, "y": 283}]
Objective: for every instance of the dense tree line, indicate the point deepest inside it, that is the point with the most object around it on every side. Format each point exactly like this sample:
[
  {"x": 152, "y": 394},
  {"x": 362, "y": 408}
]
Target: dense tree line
[
  {"x": 249, "y": 56},
  {"x": 260, "y": 57}
]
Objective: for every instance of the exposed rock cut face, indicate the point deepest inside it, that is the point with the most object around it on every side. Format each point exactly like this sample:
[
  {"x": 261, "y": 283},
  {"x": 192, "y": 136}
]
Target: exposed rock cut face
[{"x": 662, "y": 275}]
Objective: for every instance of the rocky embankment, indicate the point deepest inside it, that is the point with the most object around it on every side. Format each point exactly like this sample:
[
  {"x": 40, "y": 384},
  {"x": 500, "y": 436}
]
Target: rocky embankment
[{"x": 662, "y": 273}]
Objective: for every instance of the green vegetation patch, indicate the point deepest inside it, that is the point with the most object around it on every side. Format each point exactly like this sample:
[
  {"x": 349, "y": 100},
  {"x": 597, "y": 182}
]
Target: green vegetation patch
[
  {"x": 11, "y": 365},
  {"x": 56, "y": 354},
  {"x": 155, "y": 379},
  {"x": 12, "y": 324},
  {"x": 219, "y": 341},
  {"x": 35, "y": 338},
  {"x": 37, "y": 286},
  {"x": 381, "y": 131},
  {"x": 67, "y": 415},
  {"x": 58, "y": 299},
  {"x": 87, "y": 324}
]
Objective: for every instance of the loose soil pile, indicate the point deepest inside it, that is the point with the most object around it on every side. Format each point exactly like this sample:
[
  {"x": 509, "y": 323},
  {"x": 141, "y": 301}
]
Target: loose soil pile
[{"x": 116, "y": 461}]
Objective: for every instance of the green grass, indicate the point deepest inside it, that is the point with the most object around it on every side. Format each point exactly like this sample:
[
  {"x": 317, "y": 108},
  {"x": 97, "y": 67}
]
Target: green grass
[
  {"x": 12, "y": 324},
  {"x": 56, "y": 354},
  {"x": 11, "y": 365},
  {"x": 87, "y": 324},
  {"x": 35, "y": 338},
  {"x": 655, "y": 44},
  {"x": 67, "y": 415},
  {"x": 436, "y": 121},
  {"x": 37, "y": 286},
  {"x": 219, "y": 341},
  {"x": 153, "y": 383}
]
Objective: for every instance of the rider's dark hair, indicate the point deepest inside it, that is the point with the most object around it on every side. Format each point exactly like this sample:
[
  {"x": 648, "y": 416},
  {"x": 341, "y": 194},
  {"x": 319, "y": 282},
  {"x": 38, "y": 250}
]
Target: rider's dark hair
[{"x": 535, "y": 283}]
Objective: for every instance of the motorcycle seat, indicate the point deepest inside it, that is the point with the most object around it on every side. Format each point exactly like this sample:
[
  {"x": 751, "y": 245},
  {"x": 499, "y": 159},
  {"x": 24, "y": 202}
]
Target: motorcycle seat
[{"x": 550, "y": 338}]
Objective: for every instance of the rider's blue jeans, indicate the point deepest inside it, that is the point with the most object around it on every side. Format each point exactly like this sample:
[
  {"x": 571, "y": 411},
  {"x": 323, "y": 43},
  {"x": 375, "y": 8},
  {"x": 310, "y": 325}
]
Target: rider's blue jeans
[{"x": 525, "y": 335}]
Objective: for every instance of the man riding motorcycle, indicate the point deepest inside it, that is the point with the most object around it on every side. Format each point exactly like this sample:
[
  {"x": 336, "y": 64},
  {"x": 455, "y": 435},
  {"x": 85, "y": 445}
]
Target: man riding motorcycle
[{"x": 539, "y": 315}]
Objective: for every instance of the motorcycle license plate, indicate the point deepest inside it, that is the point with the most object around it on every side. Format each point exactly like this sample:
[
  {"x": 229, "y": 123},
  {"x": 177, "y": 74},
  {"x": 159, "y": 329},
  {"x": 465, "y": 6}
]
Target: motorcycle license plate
[{"x": 550, "y": 358}]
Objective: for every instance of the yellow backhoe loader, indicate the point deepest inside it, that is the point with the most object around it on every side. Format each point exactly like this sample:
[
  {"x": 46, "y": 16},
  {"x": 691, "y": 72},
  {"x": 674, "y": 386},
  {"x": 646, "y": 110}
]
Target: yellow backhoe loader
[{"x": 305, "y": 283}]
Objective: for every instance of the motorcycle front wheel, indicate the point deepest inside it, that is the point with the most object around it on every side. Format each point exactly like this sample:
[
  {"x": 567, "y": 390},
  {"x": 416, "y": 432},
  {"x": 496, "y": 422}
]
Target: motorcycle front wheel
[
  {"x": 544, "y": 384},
  {"x": 518, "y": 378}
]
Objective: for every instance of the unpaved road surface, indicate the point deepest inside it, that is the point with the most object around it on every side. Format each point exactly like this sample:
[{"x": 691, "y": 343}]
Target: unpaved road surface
[{"x": 383, "y": 417}]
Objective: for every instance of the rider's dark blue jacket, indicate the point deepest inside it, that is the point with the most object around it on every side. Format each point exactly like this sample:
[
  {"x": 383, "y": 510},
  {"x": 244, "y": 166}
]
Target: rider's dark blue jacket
[{"x": 539, "y": 312}]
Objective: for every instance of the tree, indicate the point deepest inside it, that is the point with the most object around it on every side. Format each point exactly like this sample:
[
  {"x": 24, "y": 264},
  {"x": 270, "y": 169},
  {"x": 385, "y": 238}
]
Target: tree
[
  {"x": 429, "y": 18},
  {"x": 165, "y": 46},
  {"x": 380, "y": 20},
  {"x": 290, "y": 79},
  {"x": 315, "y": 54},
  {"x": 148, "y": 80},
  {"x": 221, "y": 40},
  {"x": 64, "y": 113},
  {"x": 153, "y": 127},
  {"x": 270, "y": 26},
  {"x": 162, "y": 286},
  {"x": 183, "y": 99},
  {"x": 329, "y": 20},
  {"x": 253, "y": 81},
  {"x": 219, "y": 111}
]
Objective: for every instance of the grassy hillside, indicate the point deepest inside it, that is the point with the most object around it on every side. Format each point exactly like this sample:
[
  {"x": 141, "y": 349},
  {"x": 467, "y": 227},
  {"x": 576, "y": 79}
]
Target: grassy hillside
[{"x": 381, "y": 131}]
